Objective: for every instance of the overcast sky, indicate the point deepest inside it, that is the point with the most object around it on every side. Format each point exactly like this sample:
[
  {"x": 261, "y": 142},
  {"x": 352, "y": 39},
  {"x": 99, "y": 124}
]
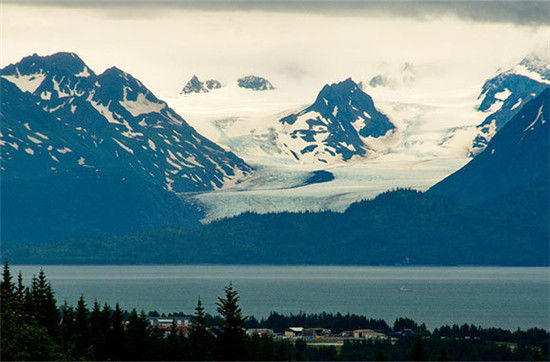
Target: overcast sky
[{"x": 293, "y": 43}]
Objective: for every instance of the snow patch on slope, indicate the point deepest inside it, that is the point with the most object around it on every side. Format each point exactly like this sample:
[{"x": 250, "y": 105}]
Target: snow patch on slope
[
  {"x": 27, "y": 83},
  {"x": 141, "y": 105}
]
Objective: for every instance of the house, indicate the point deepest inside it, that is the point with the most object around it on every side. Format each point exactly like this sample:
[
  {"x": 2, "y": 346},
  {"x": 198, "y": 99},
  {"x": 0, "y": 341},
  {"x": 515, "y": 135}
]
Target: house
[
  {"x": 294, "y": 332},
  {"x": 315, "y": 332},
  {"x": 168, "y": 321},
  {"x": 368, "y": 334},
  {"x": 259, "y": 331}
]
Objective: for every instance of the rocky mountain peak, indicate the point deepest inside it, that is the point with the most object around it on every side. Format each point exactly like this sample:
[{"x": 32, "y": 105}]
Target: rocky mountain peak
[
  {"x": 503, "y": 95},
  {"x": 194, "y": 85},
  {"x": 336, "y": 126},
  {"x": 255, "y": 83}
]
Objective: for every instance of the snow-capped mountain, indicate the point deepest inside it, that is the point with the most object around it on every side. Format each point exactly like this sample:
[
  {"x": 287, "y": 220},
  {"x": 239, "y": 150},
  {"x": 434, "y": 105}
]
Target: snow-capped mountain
[
  {"x": 503, "y": 95},
  {"x": 337, "y": 126},
  {"x": 517, "y": 157},
  {"x": 99, "y": 123},
  {"x": 255, "y": 83},
  {"x": 194, "y": 85},
  {"x": 50, "y": 191}
]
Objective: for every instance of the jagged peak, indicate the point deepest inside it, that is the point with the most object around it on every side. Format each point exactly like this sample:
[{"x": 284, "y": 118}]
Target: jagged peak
[
  {"x": 59, "y": 56},
  {"x": 58, "y": 63},
  {"x": 346, "y": 86},
  {"x": 255, "y": 82},
  {"x": 340, "y": 93},
  {"x": 194, "y": 85}
]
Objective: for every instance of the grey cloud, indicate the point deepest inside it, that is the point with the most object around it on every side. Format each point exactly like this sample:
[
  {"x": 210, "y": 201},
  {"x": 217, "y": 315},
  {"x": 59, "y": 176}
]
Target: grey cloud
[{"x": 517, "y": 12}]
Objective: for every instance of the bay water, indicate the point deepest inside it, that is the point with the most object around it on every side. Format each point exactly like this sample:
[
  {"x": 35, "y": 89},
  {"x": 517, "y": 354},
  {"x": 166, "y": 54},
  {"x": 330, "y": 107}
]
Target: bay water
[{"x": 507, "y": 297}]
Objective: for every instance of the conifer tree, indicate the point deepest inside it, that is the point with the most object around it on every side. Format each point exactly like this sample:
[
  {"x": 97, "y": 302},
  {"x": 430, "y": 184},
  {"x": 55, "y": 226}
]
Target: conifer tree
[
  {"x": 105, "y": 321},
  {"x": 116, "y": 342},
  {"x": 97, "y": 331},
  {"x": 159, "y": 347},
  {"x": 44, "y": 305},
  {"x": 175, "y": 349},
  {"x": 28, "y": 305},
  {"x": 68, "y": 327},
  {"x": 136, "y": 333},
  {"x": 231, "y": 334},
  {"x": 82, "y": 327},
  {"x": 20, "y": 288},
  {"x": 23, "y": 337},
  {"x": 200, "y": 338},
  {"x": 7, "y": 288}
]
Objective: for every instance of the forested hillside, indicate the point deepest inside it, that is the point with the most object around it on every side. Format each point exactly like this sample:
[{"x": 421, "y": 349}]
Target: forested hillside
[{"x": 396, "y": 228}]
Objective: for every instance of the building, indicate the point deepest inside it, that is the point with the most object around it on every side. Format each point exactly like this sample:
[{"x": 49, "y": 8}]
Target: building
[
  {"x": 294, "y": 332},
  {"x": 168, "y": 321},
  {"x": 368, "y": 334},
  {"x": 315, "y": 332},
  {"x": 259, "y": 331}
]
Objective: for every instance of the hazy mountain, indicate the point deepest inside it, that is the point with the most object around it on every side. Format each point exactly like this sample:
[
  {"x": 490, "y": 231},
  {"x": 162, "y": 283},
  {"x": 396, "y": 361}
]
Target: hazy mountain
[
  {"x": 404, "y": 76},
  {"x": 194, "y": 85},
  {"x": 255, "y": 83}
]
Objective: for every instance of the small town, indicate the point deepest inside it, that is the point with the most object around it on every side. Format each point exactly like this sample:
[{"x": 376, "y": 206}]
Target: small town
[{"x": 313, "y": 336}]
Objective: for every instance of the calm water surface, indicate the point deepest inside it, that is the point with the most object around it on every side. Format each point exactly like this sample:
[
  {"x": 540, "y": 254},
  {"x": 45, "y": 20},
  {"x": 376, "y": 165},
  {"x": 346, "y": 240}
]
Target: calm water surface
[{"x": 487, "y": 296}]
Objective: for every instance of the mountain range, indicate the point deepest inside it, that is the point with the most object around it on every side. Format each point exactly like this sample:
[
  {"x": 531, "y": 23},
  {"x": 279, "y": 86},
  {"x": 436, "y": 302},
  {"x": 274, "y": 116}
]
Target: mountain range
[
  {"x": 194, "y": 85},
  {"x": 84, "y": 135},
  {"x": 107, "y": 121},
  {"x": 94, "y": 166},
  {"x": 504, "y": 223}
]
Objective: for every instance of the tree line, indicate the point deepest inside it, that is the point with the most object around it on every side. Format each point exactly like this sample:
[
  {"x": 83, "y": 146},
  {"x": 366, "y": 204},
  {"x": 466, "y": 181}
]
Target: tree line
[
  {"x": 395, "y": 228},
  {"x": 33, "y": 327}
]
